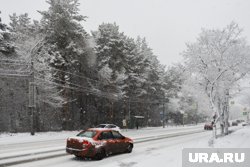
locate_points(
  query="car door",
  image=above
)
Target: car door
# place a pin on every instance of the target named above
(107, 138)
(120, 145)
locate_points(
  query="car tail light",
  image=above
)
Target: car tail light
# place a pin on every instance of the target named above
(85, 143)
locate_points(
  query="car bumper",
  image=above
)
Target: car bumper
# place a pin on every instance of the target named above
(89, 152)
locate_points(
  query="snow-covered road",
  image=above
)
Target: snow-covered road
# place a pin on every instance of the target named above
(17, 138)
(22, 149)
(160, 152)
(164, 152)
(24, 143)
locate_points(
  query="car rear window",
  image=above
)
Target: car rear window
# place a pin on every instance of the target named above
(89, 134)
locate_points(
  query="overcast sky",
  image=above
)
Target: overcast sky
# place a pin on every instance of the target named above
(166, 24)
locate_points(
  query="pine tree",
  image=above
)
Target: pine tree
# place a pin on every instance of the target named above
(110, 48)
(67, 44)
(6, 46)
(61, 24)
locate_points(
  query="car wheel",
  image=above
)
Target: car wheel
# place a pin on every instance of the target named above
(129, 148)
(100, 155)
(78, 157)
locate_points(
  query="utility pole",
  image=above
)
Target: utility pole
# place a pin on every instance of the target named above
(129, 109)
(163, 115)
(32, 102)
(163, 112)
(183, 120)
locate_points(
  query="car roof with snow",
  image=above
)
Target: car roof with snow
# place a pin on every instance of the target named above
(106, 124)
(100, 129)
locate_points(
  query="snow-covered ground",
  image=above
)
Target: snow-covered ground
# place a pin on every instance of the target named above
(13, 138)
(238, 139)
(164, 152)
(13, 145)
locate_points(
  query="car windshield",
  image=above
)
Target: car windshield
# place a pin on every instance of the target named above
(101, 126)
(89, 134)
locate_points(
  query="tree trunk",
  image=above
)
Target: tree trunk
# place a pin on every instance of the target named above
(222, 128)
(226, 112)
(215, 112)
(221, 115)
(226, 116)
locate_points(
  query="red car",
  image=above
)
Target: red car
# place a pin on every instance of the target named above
(208, 126)
(98, 143)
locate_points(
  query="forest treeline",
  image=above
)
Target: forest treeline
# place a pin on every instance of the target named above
(82, 79)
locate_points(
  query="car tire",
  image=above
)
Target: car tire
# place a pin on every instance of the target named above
(129, 148)
(78, 157)
(100, 155)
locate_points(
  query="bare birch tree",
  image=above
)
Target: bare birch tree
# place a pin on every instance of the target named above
(217, 61)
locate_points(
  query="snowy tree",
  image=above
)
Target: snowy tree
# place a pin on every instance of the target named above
(64, 33)
(216, 61)
(110, 48)
(174, 78)
(25, 35)
(29, 43)
(67, 44)
(130, 67)
(6, 46)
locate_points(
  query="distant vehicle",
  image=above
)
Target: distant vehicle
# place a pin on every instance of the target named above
(109, 126)
(240, 121)
(234, 123)
(208, 126)
(98, 143)
(244, 124)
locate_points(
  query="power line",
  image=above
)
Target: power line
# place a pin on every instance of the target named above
(17, 62)
(80, 76)
(143, 101)
(66, 82)
(80, 90)
(14, 63)
(101, 94)
(77, 87)
(25, 63)
(70, 83)
(13, 75)
(14, 60)
(18, 72)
